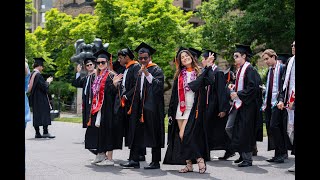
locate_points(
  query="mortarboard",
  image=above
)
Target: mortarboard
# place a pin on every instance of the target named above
(89, 57)
(206, 53)
(147, 47)
(195, 52)
(102, 53)
(39, 61)
(127, 51)
(283, 57)
(244, 49)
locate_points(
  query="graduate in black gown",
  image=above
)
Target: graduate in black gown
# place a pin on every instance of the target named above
(146, 124)
(102, 116)
(187, 139)
(242, 121)
(125, 92)
(217, 107)
(39, 100)
(273, 116)
(85, 81)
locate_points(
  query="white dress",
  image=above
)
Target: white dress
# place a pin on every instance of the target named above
(189, 98)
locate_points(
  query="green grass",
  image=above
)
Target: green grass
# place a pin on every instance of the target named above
(79, 120)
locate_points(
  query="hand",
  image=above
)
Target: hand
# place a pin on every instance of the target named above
(233, 95)
(143, 70)
(291, 105)
(280, 105)
(49, 79)
(231, 87)
(222, 114)
(210, 59)
(79, 68)
(116, 79)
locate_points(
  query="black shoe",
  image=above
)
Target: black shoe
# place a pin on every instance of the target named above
(255, 152)
(38, 136)
(153, 165)
(238, 160)
(244, 164)
(279, 159)
(142, 158)
(271, 159)
(227, 155)
(48, 135)
(130, 164)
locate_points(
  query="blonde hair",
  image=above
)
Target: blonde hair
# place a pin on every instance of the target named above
(270, 53)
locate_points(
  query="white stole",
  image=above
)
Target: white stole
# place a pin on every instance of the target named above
(275, 86)
(240, 84)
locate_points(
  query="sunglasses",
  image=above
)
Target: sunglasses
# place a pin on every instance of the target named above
(293, 45)
(89, 65)
(101, 62)
(145, 58)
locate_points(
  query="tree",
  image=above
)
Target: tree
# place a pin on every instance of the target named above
(259, 23)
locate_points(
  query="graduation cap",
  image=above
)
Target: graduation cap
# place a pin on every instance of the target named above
(145, 49)
(244, 49)
(195, 52)
(126, 51)
(88, 58)
(39, 61)
(102, 53)
(206, 53)
(283, 57)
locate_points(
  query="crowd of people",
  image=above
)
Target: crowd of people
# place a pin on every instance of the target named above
(124, 101)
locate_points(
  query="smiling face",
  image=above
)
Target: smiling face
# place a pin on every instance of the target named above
(239, 59)
(144, 58)
(186, 59)
(102, 63)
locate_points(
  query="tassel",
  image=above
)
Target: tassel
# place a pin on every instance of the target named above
(142, 119)
(196, 113)
(130, 110)
(123, 102)
(111, 65)
(89, 122)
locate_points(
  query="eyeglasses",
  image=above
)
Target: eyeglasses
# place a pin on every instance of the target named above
(293, 45)
(101, 62)
(235, 56)
(89, 65)
(145, 58)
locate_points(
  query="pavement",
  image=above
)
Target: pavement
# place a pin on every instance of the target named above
(64, 158)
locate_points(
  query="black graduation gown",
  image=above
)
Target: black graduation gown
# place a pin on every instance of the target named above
(150, 133)
(244, 131)
(217, 102)
(194, 144)
(39, 101)
(128, 91)
(81, 82)
(117, 67)
(108, 136)
(274, 114)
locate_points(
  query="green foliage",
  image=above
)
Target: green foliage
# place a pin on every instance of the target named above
(263, 74)
(156, 22)
(270, 23)
(63, 90)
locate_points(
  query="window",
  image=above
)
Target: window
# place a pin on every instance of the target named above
(187, 4)
(43, 6)
(43, 19)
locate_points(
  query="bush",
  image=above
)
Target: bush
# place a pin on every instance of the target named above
(63, 90)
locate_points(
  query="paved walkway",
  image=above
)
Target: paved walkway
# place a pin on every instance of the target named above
(64, 158)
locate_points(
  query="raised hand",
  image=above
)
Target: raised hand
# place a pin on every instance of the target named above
(116, 79)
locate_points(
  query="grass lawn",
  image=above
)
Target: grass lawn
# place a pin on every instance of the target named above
(79, 120)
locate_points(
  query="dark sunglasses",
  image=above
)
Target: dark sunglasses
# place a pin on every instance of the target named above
(293, 45)
(145, 58)
(235, 56)
(101, 62)
(89, 65)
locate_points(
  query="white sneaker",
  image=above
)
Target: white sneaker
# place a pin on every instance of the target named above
(100, 157)
(106, 162)
(292, 168)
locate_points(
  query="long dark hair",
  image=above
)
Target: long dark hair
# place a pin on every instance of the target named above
(179, 65)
